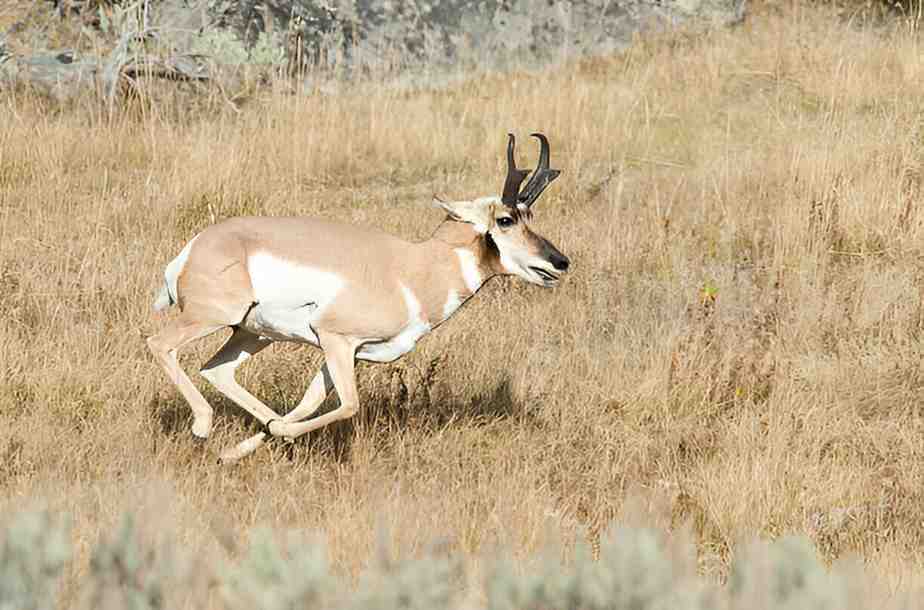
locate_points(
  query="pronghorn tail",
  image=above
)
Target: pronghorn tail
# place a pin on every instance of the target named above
(163, 300)
(168, 292)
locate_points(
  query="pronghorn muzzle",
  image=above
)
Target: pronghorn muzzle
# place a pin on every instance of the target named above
(556, 263)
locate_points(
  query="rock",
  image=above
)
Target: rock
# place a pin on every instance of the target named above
(437, 30)
(426, 37)
(485, 32)
(56, 75)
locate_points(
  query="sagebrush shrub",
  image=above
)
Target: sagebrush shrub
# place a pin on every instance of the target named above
(33, 554)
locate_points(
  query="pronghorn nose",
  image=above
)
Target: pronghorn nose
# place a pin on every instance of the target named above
(559, 261)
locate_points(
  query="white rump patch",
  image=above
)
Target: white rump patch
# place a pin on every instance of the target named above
(175, 268)
(392, 349)
(470, 272)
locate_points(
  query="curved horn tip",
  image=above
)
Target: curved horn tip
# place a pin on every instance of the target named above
(543, 141)
(511, 148)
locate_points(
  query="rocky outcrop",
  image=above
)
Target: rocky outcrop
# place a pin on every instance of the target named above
(483, 31)
(190, 39)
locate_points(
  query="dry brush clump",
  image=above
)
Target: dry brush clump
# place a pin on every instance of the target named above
(740, 336)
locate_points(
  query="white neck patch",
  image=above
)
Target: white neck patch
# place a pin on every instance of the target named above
(412, 304)
(471, 274)
(453, 302)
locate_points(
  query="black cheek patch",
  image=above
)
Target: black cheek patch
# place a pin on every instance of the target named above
(491, 244)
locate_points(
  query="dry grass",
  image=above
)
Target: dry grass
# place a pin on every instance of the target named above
(740, 338)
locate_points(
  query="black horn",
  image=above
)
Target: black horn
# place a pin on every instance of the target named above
(515, 176)
(541, 178)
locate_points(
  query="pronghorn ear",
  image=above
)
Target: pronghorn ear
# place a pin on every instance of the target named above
(479, 213)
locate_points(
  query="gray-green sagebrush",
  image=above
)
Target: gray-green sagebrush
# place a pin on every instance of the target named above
(638, 569)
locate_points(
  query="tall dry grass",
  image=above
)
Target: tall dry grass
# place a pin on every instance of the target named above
(740, 339)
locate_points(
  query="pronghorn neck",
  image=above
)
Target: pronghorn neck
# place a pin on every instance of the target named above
(455, 262)
(476, 251)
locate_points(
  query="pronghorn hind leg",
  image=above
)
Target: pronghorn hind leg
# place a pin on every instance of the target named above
(220, 369)
(314, 397)
(340, 354)
(164, 346)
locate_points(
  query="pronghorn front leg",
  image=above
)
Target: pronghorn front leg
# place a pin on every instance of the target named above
(340, 354)
(314, 397)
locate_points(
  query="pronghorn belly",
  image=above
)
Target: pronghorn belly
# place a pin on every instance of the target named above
(391, 349)
(388, 350)
(282, 323)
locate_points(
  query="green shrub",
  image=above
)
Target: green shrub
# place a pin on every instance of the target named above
(274, 577)
(637, 570)
(128, 575)
(786, 574)
(225, 47)
(33, 555)
(420, 584)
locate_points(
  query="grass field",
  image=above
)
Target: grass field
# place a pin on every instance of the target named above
(738, 344)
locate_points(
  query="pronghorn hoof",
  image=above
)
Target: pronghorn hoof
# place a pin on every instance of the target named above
(202, 427)
(242, 449)
(228, 457)
(268, 428)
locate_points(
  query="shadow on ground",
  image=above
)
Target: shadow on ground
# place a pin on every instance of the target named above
(379, 414)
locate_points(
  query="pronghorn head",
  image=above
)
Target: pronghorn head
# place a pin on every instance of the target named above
(504, 221)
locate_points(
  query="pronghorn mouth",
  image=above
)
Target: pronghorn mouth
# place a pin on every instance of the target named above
(544, 274)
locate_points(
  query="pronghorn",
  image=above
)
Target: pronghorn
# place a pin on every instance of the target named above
(356, 293)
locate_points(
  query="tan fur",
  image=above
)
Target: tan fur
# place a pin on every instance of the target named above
(371, 262)
(355, 292)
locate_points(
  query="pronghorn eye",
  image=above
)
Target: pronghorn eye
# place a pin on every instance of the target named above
(504, 222)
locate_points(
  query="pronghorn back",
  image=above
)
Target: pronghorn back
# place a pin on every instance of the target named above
(281, 262)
